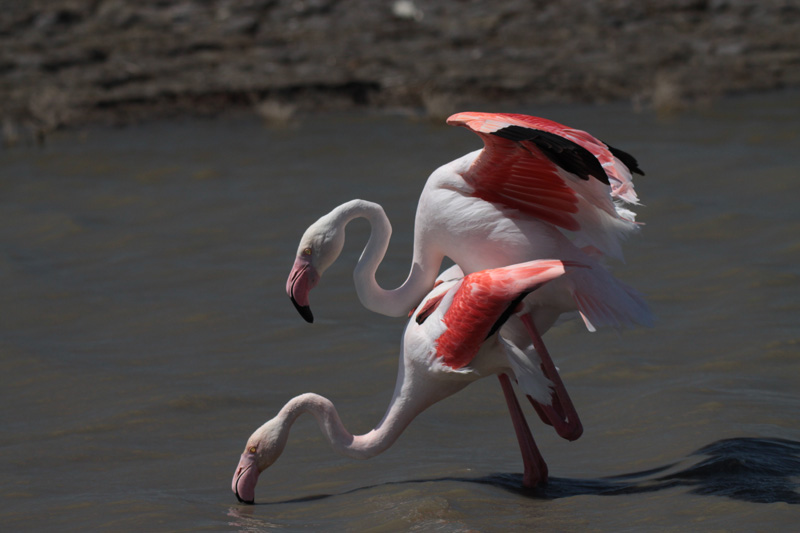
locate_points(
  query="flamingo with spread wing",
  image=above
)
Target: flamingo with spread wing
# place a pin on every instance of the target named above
(537, 190)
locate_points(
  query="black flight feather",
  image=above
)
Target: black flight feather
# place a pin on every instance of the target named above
(568, 155)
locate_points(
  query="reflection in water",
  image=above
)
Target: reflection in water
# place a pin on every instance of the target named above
(756, 470)
(243, 520)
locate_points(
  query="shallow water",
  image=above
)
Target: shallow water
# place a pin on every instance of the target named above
(145, 332)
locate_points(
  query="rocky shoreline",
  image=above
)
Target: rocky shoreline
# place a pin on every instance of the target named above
(70, 62)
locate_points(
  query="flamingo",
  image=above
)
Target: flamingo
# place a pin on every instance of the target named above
(452, 339)
(537, 190)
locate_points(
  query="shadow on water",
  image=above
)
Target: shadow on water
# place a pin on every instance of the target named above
(756, 470)
(748, 469)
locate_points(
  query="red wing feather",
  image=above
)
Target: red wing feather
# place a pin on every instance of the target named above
(480, 301)
(429, 307)
(518, 176)
(560, 175)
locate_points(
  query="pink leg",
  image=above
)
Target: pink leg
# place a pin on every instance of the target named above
(540, 411)
(561, 414)
(535, 467)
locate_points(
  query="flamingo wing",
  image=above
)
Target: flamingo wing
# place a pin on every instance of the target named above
(482, 302)
(560, 175)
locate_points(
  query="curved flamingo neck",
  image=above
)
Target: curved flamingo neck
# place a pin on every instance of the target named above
(397, 418)
(424, 267)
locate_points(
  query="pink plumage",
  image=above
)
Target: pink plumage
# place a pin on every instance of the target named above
(537, 165)
(458, 317)
(480, 299)
(537, 190)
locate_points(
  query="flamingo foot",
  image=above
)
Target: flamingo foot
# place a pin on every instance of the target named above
(561, 413)
(535, 473)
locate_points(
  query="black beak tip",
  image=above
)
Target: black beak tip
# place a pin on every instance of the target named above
(305, 311)
(248, 502)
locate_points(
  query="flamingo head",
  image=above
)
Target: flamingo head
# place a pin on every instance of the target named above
(263, 448)
(319, 248)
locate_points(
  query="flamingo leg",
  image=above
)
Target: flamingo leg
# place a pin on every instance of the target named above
(535, 468)
(561, 413)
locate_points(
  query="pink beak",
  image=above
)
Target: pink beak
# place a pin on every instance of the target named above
(302, 279)
(245, 479)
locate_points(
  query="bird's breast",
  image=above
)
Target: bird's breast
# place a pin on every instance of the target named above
(477, 234)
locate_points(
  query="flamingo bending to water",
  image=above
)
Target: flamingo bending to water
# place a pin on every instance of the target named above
(537, 190)
(449, 342)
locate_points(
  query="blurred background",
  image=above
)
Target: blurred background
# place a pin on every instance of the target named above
(68, 62)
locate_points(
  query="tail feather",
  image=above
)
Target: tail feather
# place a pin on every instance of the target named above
(614, 305)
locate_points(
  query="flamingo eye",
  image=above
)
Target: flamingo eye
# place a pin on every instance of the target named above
(252, 449)
(307, 251)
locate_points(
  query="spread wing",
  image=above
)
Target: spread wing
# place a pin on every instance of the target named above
(482, 302)
(560, 175)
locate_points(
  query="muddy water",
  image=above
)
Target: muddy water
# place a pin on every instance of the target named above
(145, 332)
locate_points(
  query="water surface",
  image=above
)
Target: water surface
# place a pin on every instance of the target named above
(145, 332)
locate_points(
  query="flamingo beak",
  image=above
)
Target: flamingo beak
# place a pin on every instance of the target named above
(302, 279)
(245, 479)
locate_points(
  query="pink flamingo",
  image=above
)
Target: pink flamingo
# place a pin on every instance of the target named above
(536, 190)
(449, 342)
(534, 182)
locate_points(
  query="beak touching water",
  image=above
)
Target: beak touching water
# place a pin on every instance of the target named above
(245, 479)
(302, 279)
